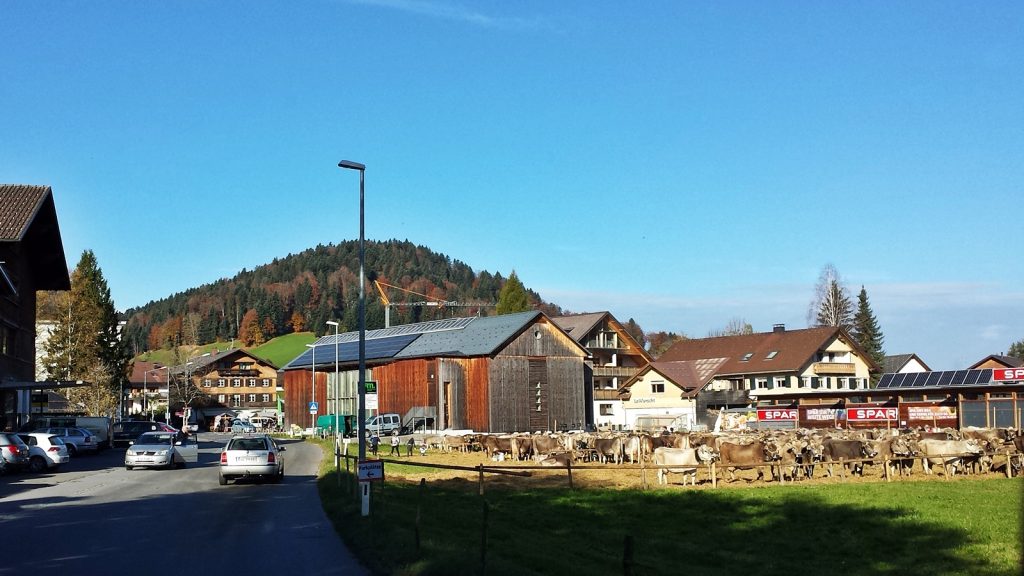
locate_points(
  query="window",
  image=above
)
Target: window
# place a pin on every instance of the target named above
(761, 383)
(221, 398)
(245, 365)
(236, 382)
(252, 398)
(658, 387)
(6, 340)
(207, 383)
(805, 382)
(266, 382)
(220, 382)
(606, 410)
(236, 400)
(266, 398)
(771, 355)
(747, 357)
(252, 382)
(780, 382)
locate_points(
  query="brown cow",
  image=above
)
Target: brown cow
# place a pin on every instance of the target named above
(608, 449)
(745, 456)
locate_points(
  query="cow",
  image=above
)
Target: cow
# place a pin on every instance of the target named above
(608, 449)
(494, 444)
(834, 450)
(460, 443)
(559, 459)
(745, 456)
(544, 444)
(522, 447)
(637, 447)
(948, 453)
(683, 461)
(902, 448)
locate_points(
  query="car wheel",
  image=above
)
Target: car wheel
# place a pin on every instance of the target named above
(72, 450)
(223, 481)
(127, 467)
(37, 465)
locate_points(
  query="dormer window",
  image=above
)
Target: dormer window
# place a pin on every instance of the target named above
(747, 357)
(771, 355)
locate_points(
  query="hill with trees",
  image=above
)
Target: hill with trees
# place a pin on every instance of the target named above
(301, 292)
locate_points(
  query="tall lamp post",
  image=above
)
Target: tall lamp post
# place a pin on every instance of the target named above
(361, 416)
(337, 383)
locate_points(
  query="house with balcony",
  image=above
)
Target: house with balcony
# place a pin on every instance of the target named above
(663, 395)
(776, 363)
(615, 358)
(234, 379)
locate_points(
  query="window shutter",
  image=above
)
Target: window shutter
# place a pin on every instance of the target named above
(814, 381)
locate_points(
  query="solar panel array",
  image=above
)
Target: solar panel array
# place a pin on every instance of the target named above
(943, 379)
(402, 330)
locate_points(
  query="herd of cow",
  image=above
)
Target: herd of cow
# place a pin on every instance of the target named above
(786, 454)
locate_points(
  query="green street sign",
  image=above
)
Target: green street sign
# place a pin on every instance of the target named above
(371, 386)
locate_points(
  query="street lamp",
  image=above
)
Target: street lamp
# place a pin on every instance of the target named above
(361, 416)
(312, 416)
(337, 383)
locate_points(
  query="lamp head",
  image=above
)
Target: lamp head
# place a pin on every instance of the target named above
(352, 165)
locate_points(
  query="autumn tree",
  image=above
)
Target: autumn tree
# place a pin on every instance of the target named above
(297, 321)
(659, 342)
(513, 297)
(636, 332)
(831, 305)
(250, 332)
(85, 343)
(735, 327)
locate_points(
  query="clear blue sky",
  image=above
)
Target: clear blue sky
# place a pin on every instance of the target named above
(679, 163)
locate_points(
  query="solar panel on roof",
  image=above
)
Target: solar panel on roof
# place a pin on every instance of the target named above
(958, 378)
(933, 379)
(946, 378)
(972, 377)
(897, 380)
(884, 381)
(918, 380)
(985, 377)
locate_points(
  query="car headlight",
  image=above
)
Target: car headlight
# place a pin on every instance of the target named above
(162, 453)
(130, 453)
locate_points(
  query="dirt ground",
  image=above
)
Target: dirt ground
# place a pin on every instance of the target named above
(625, 476)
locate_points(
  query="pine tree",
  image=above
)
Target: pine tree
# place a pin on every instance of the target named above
(1017, 350)
(86, 345)
(636, 332)
(866, 330)
(513, 297)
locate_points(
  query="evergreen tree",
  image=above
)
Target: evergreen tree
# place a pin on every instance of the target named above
(1017, 350)
(86, 344)
(831, 305)
(636, 332)
(513, 297)
(866, 330)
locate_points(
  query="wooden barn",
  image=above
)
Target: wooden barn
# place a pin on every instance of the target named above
(508, 373)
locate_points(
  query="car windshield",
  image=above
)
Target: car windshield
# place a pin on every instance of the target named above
(248, 444)
(155, 439)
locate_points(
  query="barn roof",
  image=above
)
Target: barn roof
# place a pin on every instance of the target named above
(463, 337)
(28, 216)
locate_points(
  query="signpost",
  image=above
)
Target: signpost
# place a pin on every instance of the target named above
(371, 471)
(314, 408)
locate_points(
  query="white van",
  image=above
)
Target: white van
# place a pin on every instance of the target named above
(384, 423)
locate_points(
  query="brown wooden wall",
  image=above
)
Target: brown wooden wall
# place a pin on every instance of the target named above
(298, 386)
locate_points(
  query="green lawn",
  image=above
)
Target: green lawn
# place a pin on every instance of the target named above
(966, 526)
(280, 350)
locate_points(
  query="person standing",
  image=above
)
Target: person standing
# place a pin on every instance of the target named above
(394, 444)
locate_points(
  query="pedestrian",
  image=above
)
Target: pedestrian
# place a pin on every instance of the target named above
(374, 442)
(409, 445)
(394, 444)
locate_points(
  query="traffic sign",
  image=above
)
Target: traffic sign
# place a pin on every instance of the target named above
(314, 407)
(371, 471)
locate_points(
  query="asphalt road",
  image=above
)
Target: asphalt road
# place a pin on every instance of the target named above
(95, 517)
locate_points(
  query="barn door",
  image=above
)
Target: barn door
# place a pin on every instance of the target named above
(538, 395)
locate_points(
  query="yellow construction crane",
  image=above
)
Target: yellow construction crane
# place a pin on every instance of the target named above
(433, 301)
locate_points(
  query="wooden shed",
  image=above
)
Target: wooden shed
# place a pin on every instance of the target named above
(514, 372)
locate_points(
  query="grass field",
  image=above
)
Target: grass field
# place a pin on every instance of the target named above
(964, 526)
(280, 350)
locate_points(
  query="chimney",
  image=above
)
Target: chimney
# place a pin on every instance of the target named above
(779, 328)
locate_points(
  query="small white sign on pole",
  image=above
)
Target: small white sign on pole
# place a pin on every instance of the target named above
(371, 471)
(371, 402)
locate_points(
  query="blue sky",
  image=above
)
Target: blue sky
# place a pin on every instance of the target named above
(679, 163)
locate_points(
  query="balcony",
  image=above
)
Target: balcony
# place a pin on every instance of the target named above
(723, 397)
(234, 372)
(606, 394)
(615, 371)
(835, 368)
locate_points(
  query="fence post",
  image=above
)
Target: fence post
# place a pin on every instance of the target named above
(480, 481)
(714, 477)
(643, 475)
(483, 538)
(885, 469)
(842, 469)
(1009, 473)
(627, 556)
(568, 468)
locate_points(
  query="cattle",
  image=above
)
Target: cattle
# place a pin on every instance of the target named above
(544, 444)
(949, 453)
(902, 449)
(745, 456)
(493, 444)
(522, 447)
(834, 450)
(460, 443)
(608, 449)
(560, 459)
(811, 455)
(637, 446)
(683, 461)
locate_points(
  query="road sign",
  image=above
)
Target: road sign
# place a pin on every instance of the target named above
(314, 407)
(371, 471)
(371, 402)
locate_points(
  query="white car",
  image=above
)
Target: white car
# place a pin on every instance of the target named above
(253, 456)
(162, 450)
(45, 451)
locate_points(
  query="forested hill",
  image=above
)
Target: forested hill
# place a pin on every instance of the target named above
(301, 292)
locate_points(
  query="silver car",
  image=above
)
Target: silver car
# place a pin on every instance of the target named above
(161, 450)
(251, 456)
(46, 451)
(78, 440)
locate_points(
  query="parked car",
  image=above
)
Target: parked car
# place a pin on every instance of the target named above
(46, 451)
(128, 430)
(14, 452)
(162, 450)
(78, 440)
(251, 457)
(384, 423)
(242, 426)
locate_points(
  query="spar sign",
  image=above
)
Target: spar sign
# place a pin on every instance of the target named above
(1008, 374)
(772, 415)
(872, 414)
